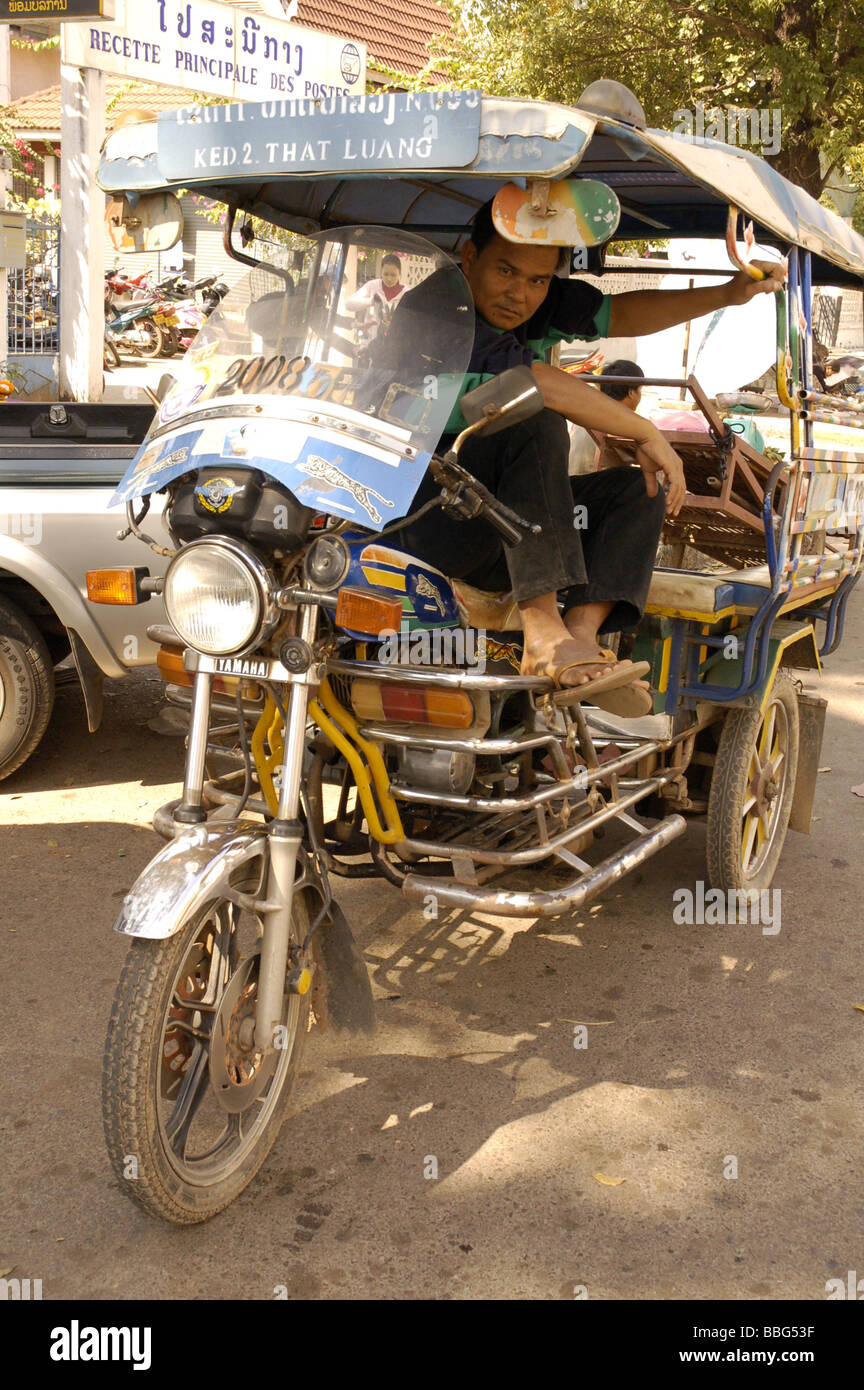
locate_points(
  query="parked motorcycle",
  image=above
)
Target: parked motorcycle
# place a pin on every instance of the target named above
(141, 328)
(281, 460)
(191, 314)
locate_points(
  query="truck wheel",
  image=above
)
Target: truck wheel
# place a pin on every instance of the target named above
(26, 687)
(751, 791)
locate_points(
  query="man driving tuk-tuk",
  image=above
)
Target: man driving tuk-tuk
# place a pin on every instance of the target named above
(524, 306)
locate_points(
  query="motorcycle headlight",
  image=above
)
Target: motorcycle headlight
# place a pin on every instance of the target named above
(218, 597)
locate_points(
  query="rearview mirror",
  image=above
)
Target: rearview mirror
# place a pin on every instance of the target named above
(566, 212)
(506, 400)
(150, 222)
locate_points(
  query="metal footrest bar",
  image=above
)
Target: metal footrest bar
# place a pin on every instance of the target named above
(570, 898)
(510, 858)
(579, 782)
(488, 747)
(449, 678)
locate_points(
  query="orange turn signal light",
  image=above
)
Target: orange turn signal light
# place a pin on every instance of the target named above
(116, 586)
(170, 663)
(361, 610)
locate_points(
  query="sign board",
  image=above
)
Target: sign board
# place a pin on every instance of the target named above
(219, 50)
(389, 130)
(40, 11)
(13, 240)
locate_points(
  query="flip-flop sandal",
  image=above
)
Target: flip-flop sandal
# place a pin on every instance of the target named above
(628, 702)
(604, 687)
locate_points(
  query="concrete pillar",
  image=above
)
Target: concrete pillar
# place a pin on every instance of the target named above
(5, 99)
(82, 232)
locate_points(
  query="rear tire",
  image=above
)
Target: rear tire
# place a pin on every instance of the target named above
(750, 802)
(152, 341)
(26, 687)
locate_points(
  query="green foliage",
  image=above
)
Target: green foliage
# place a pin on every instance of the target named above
(37, 45)
(805, 57)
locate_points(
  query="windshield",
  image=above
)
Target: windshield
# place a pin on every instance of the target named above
(337, 378)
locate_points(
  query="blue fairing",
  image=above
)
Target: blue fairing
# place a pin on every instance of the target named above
(426, 594)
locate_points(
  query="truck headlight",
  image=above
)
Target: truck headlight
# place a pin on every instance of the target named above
(219, 597)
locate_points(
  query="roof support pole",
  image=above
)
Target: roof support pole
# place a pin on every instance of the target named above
(82, 216)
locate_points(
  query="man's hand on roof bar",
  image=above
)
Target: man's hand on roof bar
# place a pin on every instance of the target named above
(742, 287)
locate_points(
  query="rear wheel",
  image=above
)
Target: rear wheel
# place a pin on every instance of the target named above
(190, 1107)
(26, 687)
(751, 791)
(149, 338)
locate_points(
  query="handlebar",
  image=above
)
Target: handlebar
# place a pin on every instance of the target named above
(465, 496)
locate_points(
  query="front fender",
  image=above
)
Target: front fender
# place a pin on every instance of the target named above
(180, 878)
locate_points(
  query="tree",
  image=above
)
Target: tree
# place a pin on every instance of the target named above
(805, 57)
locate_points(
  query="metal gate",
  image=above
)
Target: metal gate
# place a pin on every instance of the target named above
(34, 292)
(826, 317)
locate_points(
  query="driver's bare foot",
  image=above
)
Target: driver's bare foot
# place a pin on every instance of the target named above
(545, 658)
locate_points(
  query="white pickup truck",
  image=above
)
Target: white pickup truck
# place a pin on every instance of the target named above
(59, 465)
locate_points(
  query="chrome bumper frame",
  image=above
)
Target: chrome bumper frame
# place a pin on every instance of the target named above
(569, 898)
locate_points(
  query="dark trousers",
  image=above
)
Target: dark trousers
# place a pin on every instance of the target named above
(599, 532)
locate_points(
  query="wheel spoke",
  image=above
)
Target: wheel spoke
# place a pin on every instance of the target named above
(192, 1092)
(227, 1134)
(750, 828)
(767, 733)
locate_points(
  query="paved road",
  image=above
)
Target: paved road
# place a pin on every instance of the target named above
(708, 1045)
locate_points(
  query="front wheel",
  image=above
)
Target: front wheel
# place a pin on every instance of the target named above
(190, 1107)
(751, 791)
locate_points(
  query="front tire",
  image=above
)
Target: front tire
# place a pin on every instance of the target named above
(751, 791)
(26, 687)
(189, 1114)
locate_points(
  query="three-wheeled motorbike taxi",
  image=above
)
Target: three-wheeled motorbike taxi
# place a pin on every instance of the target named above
(284, 447)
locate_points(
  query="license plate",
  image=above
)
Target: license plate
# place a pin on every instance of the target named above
(169, 319)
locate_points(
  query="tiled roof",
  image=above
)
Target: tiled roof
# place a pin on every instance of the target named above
(396, 32)
(41, 110)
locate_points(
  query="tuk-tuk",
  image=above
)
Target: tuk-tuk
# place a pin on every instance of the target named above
(503, 809)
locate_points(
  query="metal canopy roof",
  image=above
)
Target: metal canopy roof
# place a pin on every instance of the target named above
(668, 184)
